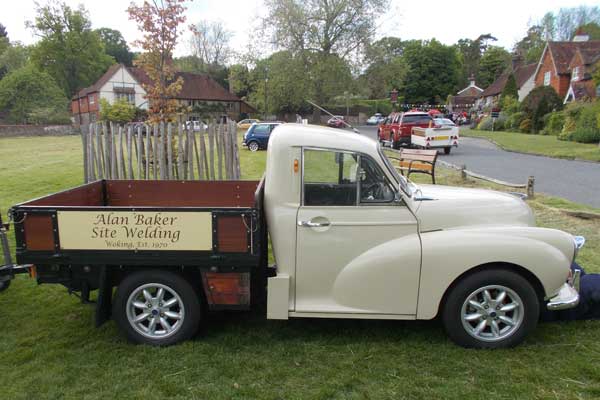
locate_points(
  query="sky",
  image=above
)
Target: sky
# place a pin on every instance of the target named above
(447, 21)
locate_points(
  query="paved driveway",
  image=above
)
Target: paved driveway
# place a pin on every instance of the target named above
(578, 181)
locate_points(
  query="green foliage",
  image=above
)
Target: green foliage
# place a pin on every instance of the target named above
(239, 80)
(554, 123)
(121, 111)
(510, 104)
(470, 52)
(387, 68)
(68, 50)
(115, 45)
(591, 28)
(30, 96)
(586, 127)
(539, 102)
(525, 125)
(493, 63)
(513, 122)
(532, 45)
(13, 57)
(433, 71)
(487, 124)
(510, 89)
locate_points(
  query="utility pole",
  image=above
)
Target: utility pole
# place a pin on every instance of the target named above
(266, 98)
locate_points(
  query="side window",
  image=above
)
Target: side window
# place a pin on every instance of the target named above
(329, 178)
(261, 129)
(374, 185)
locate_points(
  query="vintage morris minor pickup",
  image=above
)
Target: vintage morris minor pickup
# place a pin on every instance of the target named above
(351, 239)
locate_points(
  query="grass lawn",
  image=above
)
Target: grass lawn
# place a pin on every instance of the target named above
(50, 349)
(539, 144)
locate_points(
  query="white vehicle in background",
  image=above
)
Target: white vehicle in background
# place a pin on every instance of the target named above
(196, 125)
(441, 136)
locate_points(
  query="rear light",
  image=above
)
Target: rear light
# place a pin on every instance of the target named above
(428, 139)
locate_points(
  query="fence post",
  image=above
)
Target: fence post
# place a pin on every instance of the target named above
(530, 184)
(84, 143)
(463, 172)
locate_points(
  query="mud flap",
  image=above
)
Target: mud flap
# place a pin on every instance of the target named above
(104, 301)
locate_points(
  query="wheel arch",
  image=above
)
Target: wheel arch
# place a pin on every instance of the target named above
(523, 272)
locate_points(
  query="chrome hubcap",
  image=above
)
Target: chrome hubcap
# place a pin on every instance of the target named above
(253, 146)
(155, 310)
(492, 313)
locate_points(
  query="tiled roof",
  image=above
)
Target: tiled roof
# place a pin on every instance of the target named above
(99, 83)
(522, 74)
(195, 86)
(563, 52)
(584, 89)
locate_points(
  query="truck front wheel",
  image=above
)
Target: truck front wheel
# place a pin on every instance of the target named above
(4, 285)
(156, 307)
(491, 309)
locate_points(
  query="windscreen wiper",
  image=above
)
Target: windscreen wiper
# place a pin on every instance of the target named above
(327, 112)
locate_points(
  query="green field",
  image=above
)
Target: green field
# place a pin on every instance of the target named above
(539, 144)
(50, 349)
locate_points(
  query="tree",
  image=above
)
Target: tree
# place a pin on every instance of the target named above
(115, 45)
(315, 30)
(4, 41)
(30, 96)
(121, 111)
(14, 57)
(493, 63)
(386, 69)
(160, 21)
(510, 89)
(532, 45)
(433, 71)
(563, 25)
(539, 102)
(239, 80)
(471, 52)
(210, 43)
(68, 49)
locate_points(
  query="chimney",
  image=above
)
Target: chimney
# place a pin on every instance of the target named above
(472, 80)
(581, 36)
(517, 61)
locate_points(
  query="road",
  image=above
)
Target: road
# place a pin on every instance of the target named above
(578, 181)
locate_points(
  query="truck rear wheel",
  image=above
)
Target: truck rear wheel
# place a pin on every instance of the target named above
(447, 150)
(156, 307)
(4, 285)
(491, 309)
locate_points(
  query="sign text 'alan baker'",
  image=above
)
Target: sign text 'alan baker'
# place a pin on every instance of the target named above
(129, 230)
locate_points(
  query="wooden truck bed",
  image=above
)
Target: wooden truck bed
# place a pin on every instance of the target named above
(214, 229)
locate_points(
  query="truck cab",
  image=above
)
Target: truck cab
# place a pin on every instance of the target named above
(397, 131)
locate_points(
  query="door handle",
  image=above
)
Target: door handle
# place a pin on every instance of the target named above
(312, 224)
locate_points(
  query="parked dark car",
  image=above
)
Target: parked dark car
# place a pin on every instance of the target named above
(257, 136)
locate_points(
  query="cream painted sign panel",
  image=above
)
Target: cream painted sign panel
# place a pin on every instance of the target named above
(132, 230)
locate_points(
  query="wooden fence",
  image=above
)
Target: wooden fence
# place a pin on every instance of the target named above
(166, 151)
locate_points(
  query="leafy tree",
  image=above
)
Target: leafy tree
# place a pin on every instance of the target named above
(433, 71)
(115, 45)
(532, 45)
(510, 89)
(239, 80)
(315, 30)
(563, 25)
(387, 68)
(30, 96)
(68, 50)
(121, 111)
(4, 41)
(539, 102)
(160, 24)
(493, 63)
(14, 57)
(471, 52)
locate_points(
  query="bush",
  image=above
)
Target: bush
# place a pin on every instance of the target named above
(583, 135)
(510, 105)
(553, 123)
(539, 102)
(513, 122)
(121, 111)
(525, 125)
(486, 123)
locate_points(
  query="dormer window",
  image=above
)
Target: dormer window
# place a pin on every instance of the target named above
(547, 78)
(576, 74)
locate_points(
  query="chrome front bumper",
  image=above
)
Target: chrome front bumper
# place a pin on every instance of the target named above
(568, 295)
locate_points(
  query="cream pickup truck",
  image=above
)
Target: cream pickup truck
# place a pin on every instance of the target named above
(351, 239)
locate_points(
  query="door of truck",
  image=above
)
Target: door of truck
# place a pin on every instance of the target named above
(358, 250)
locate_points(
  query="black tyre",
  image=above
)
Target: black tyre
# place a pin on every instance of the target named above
(157, 307)
(491, 309)
(253, 146)
(447, 150)
(4, 285)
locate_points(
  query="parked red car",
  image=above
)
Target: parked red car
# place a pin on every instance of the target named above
(397, 127)
(336, 121)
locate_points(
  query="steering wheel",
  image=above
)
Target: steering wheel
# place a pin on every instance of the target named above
(374, 191)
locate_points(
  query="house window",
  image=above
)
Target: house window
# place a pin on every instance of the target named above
(91, 99)
(575, 74)
(547, 78)
(129, 97)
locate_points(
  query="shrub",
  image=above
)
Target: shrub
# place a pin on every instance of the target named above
(514, 121)
(553, 123)
(539, 102)
(583, 135)
(510, 105)
(525, 125)
(486, 123)
(120, 111)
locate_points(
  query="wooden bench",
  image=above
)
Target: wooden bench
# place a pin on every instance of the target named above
(417, 161)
